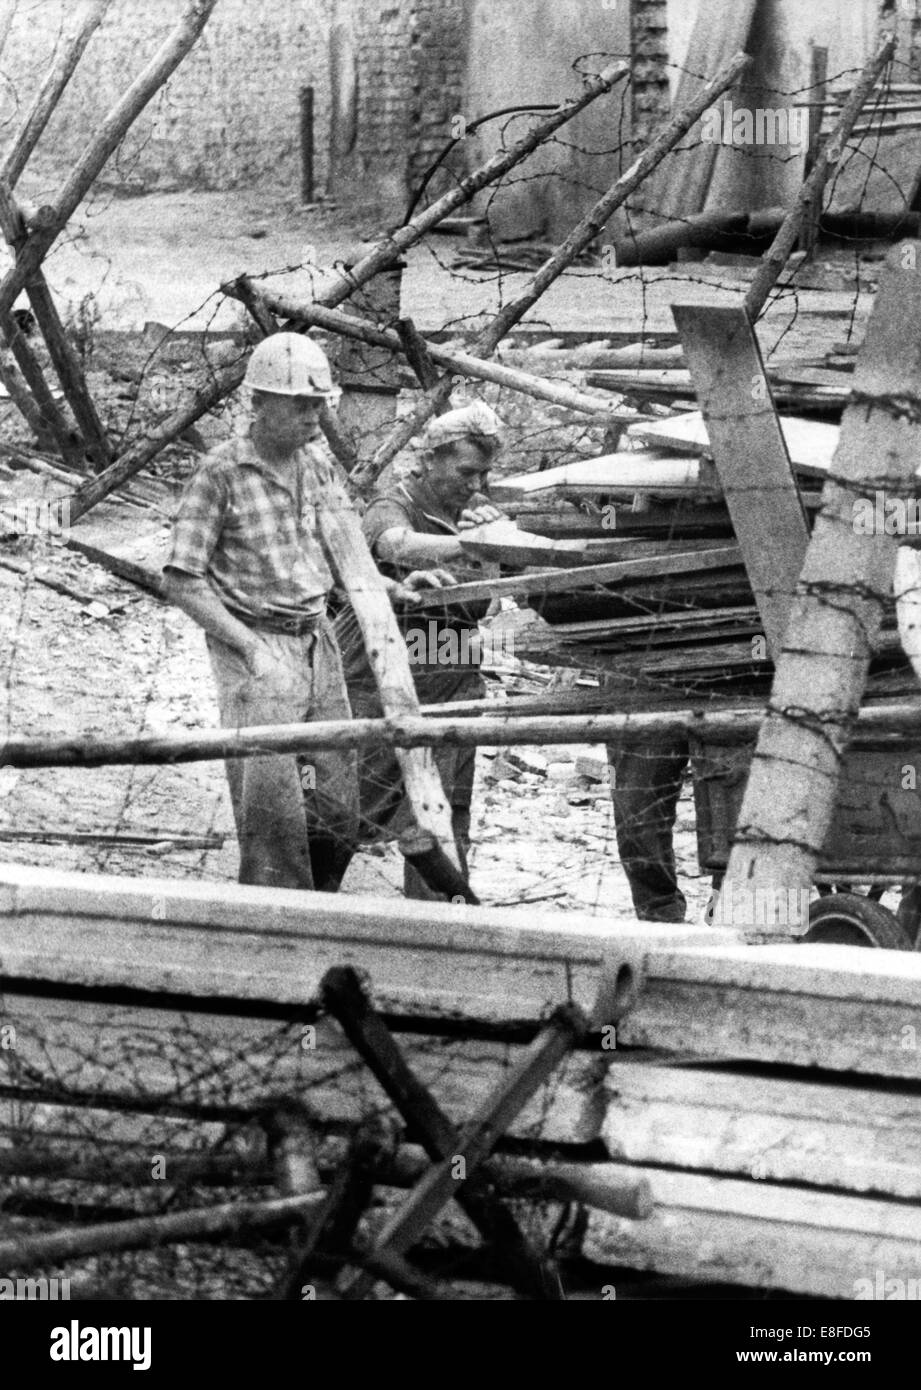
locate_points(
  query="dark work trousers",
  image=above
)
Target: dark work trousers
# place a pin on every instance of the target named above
(647, 781)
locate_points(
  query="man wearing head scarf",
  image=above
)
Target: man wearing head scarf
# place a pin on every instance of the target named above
(414, 525)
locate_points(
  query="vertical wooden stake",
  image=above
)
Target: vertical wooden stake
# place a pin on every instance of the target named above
(818, 72)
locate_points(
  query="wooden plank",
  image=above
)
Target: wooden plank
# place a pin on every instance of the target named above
(612, 473)
(718, 31)
(810, 444)
(750, 456)
(763, 1236)
(502, 541)
(344, 542)
(588, 576)
(782, 1129)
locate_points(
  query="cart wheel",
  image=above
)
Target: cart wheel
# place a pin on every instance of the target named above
(845, 919)
(909, 913)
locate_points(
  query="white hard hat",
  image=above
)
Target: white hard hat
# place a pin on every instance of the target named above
(288, 364)
(474, 421)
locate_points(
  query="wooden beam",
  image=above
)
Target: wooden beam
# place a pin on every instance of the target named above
(148, 1232)
(834, 629)
(342, 537)
(585, 576)
(750, 455)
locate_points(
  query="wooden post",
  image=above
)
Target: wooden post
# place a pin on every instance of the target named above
(751, 457)
(810, 194)
(307, 138)
(845, 583)
(85, 23)
(385, 253)
(818, 73)
(584, 232)
(340, 530)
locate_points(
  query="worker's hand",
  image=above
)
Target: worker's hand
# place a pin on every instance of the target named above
(262, 663)
(478, 516)
(411, 589)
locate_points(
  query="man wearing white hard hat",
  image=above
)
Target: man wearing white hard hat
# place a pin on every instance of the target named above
(247, 564)
(411, 525)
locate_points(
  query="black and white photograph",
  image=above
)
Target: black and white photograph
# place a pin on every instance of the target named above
(460, 674)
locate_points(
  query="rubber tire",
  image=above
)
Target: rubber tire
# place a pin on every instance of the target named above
(846, 919)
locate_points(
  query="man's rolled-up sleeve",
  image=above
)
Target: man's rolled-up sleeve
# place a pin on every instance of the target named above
(384, 514)
(197, 525)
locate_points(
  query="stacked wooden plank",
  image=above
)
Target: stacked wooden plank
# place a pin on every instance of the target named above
(694, 628)
(769, 1097)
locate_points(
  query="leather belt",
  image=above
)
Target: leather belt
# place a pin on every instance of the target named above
(286, 627)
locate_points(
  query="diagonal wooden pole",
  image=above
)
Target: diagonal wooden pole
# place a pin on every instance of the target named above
(477, 368)
(55, 216)
(845, 584)
(582, 234)
(390, 249)
(345, 998)
(86, 21)
(340, 530)
(66, 362)
(810, 194)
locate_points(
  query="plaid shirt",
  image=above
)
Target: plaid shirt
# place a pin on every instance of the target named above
(252, 531)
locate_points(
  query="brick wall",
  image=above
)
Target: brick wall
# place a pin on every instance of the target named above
(411, 62)
(229, 116)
